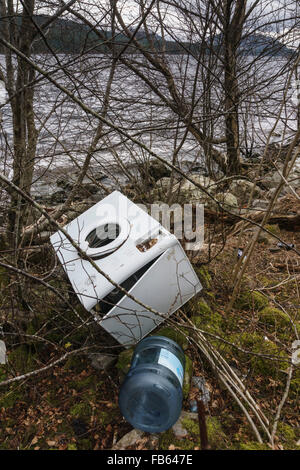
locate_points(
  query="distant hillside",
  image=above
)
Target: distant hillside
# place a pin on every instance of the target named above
(69, 37)
(258, 44)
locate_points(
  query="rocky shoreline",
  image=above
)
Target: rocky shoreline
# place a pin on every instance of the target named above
(52, 188)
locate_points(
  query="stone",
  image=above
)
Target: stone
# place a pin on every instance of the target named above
(101, 361)
(156, 170)
(191, 193)
(229, 202)
(179, 431)
(130, 439)
(260, 204)
(58, 197)
(242, 189)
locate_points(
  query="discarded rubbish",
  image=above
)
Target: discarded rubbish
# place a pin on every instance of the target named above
(135, 251)
(286, 246)
(200, 383)
(193, 406)
(150, 398)
(240, 253)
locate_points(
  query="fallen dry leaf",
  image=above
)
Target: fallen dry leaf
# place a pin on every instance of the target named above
(51, 443)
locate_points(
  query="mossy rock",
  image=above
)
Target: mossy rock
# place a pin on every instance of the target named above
(274, 316)
(253, 299)
(252, 445)
(179, 335)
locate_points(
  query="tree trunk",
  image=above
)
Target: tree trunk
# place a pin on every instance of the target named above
(24, 131)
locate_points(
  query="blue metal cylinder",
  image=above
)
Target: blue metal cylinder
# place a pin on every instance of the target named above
(150, 397)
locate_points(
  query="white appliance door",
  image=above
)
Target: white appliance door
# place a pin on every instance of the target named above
(166, 286)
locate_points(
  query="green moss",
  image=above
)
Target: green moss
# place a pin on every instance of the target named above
(215, 434)
(179, 335)
(211, 322)
(188, 372)
(204, 276)
(72, 447)
(124, 360)
(286, 432)
(106, 417)
(274, 316)
(254, 343)
(81, 410)
(253, 446)
(203, 308)
(252, 300)
(168, 438)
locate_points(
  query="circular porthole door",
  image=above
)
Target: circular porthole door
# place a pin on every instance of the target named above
(103, 235)
(102, 239)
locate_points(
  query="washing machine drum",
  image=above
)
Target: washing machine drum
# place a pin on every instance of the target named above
(100, 239)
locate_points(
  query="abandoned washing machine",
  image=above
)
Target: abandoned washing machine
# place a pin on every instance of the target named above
(136, 252)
